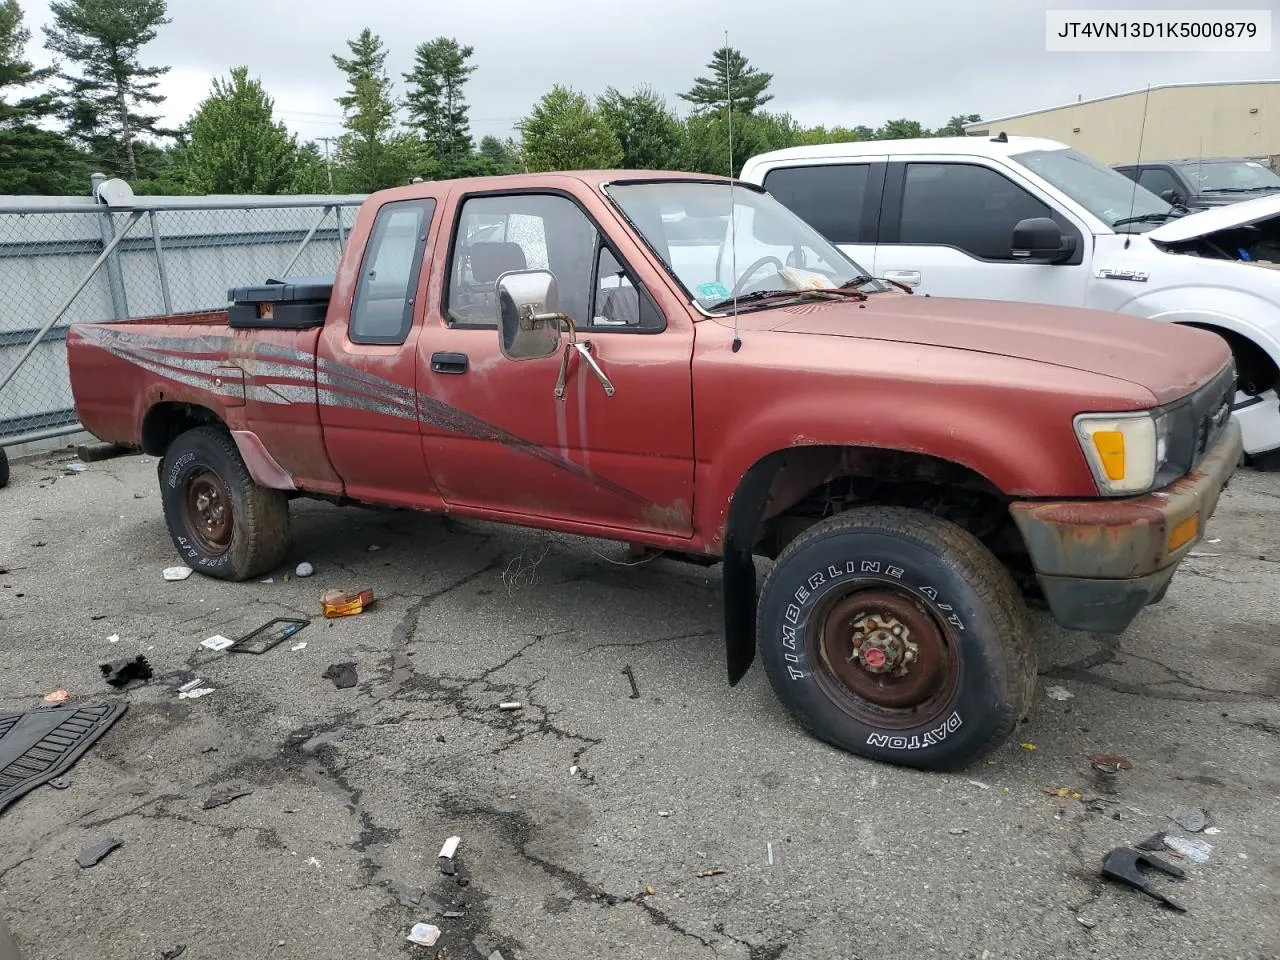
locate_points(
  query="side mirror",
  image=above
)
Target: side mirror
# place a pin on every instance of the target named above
(1040, 240)
(528, 314)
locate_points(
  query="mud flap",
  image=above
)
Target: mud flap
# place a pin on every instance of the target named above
(38, 745)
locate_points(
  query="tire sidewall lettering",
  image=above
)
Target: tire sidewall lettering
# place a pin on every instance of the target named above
(175, 476)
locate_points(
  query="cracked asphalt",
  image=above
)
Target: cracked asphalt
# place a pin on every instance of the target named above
(586, 817)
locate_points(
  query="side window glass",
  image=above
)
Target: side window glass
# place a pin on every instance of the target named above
(498, 234)
(831, 198)
(963, 205)
(1158, 180)
(382, 311)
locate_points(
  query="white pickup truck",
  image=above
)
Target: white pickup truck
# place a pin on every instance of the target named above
(1020, 218)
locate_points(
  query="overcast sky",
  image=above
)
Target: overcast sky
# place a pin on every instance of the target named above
(845, 62)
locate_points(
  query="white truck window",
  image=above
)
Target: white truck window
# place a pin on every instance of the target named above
(830, 197)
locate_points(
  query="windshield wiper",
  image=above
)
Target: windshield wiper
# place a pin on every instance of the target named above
(1148, 218)
(761, 295)
(1240, 189)
(863, 279)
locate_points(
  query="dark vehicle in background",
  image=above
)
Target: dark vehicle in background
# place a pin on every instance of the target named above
(1202, 183)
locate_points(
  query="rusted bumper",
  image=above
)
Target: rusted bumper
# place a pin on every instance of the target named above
(1099, 562)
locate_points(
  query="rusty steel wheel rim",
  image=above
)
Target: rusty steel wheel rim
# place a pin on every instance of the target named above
(886, 659)
(207, 512)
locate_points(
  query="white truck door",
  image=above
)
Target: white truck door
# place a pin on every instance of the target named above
(946, 228)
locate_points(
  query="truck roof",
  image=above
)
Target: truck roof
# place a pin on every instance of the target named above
(961, 146)
(592, 178)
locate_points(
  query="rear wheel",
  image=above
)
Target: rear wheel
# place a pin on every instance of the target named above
(223, 524)
(897, 635)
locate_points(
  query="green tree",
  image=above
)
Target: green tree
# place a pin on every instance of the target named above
(311, 174)
(813, 136)
(955, 126)
(648, 131)
(236, 146)
(32, 160)
(105, 97)
(902, 129)
(564, 132)
(502, 156)
(372, 155)
(437, 107)
(706, 139)
(746, 84)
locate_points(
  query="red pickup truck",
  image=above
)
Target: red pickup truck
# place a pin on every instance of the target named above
(680, 363)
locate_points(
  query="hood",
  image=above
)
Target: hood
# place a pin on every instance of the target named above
(1228, 217)
(1168, 359)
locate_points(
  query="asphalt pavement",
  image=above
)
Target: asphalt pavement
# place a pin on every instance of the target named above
(586, 817)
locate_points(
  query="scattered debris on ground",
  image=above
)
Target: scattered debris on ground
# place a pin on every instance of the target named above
(630, 675)
(715, 872)
(1086, 922)
(343, 675)
(114, 638)
(37, 746)
(177, 573)
(224, 796)
(1028, 746)
(339, 603)
(268, 636)
(304, 569)
(59, 783)
(1059, 693)
(175, 953)
(448, 851)
(1152, 844)
(1123, 866)
(1191, 819)
(511, 705)
(217, 642)
(120, 673)
(298, 646)
(57, 696)
(425, 934)
(452, 914)
(92, 856)
(195, 694)
(980, 785)
(1193, 849)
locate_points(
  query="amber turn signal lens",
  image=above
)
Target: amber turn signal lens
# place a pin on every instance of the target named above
(1184, 532)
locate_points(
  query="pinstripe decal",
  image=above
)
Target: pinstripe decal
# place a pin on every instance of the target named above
(284, 375)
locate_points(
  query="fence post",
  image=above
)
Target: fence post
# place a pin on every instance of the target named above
(107, 230)
(164, 276)
(342, 235)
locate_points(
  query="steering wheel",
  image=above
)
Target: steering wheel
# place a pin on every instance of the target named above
(737, 287)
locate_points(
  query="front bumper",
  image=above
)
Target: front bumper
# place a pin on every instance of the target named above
(1099, 562)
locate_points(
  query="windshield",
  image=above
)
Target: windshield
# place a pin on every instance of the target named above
(1230, 176)
(1108, 195)
(686, 223)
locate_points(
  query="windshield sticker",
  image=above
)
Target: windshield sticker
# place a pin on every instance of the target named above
(715, 290)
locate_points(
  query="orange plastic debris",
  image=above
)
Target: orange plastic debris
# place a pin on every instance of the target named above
(58, 696)
(339, 603)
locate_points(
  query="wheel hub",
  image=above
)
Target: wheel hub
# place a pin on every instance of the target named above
(882, 644)
(208, 512)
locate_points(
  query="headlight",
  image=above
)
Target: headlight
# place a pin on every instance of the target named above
(1126, 451)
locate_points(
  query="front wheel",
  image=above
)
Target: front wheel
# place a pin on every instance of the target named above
(223, 524)
(897, 635)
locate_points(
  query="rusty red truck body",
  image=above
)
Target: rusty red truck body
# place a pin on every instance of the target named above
(618, 355)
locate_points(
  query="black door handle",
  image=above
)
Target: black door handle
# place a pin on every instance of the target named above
(448, 363)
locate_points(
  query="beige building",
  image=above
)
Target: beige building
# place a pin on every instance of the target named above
(1235, 119)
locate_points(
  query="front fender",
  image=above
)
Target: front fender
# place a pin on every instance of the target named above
(1251, 315)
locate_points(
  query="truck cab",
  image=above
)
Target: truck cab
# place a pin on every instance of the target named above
(1037, 221)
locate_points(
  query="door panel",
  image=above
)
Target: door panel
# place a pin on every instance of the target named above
(368, 364)
(947, 229)
(495, 435)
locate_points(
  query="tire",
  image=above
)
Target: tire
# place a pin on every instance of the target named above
(934, 587)
(223, 524)
(4, 468)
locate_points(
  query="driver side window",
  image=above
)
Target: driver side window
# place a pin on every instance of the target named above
(618, 301)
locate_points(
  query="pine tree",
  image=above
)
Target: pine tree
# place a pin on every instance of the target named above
(746, 84)
(236, 146)
(32, 160)
(437, 107)
(648, 131)
(371, 155)
(104, 100)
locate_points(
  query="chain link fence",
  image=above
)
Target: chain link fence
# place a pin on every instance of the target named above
(66, 260)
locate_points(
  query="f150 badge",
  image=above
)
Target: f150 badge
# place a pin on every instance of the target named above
(1107, 273)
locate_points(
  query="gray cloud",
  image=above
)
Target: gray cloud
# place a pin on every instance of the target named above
(842, 62)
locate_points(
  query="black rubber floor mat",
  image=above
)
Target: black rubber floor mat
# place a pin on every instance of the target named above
(38, 745)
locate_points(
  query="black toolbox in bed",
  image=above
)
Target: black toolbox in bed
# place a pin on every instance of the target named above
(293, 303)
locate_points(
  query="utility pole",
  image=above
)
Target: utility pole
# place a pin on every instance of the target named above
(327, 165)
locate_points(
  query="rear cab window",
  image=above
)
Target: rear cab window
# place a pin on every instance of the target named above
(382, 311)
